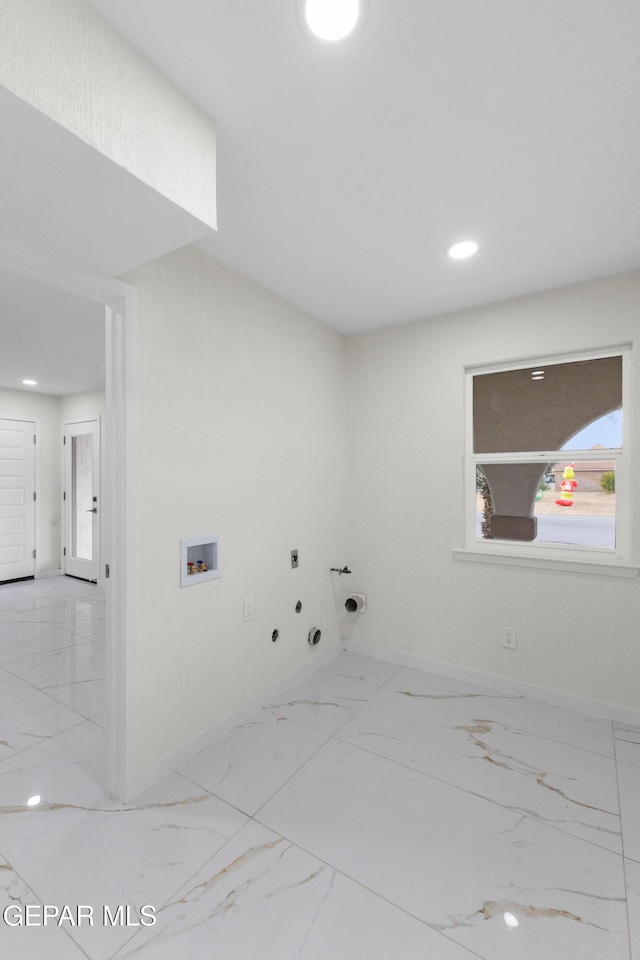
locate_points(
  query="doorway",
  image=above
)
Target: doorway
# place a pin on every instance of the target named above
(81, 500)
(118, 565)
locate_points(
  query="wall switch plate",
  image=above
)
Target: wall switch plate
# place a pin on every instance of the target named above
(509, 638)
(248, 608)
(294, 559)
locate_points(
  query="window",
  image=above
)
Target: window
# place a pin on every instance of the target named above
(547, 463)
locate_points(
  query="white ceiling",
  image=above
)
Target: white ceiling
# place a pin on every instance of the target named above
(51, 336)
(346, 170)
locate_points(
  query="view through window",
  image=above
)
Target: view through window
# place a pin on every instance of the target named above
(547, 453)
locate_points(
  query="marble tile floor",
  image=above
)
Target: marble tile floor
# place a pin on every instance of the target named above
(373, 811)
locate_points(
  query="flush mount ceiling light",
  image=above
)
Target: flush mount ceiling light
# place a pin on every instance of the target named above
(331, 19)
(462, 249)
(30, 383)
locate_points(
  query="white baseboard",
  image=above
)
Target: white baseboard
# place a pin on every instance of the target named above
(174, 759)
(48, 573)
(596, 708)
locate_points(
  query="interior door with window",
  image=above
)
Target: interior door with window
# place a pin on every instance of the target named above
(81, 498)
(17, 507)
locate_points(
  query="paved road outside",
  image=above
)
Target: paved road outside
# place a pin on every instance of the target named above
(572, 528)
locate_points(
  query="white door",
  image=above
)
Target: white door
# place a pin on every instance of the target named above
(17, 495)
(81, 554)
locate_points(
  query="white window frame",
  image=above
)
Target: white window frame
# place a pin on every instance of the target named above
(595, 560)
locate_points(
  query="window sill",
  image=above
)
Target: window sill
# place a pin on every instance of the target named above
(605, 568)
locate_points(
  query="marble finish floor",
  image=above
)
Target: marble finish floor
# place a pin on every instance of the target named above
(373, 811)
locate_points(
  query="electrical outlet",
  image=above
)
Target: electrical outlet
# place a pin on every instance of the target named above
(247, 609)
(509, 638)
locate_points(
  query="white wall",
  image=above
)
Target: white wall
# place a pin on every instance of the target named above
(82, 406)
(577, 633)
(64, 59)
(21, 405)
(241, 407)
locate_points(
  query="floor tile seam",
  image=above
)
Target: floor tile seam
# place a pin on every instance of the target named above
(626, 899)
(44, 739)
(626, 727)
(10, 676)
(349, 676)
(629, 763)
(634, 743)
(363, 886)
(45, 678)
(204, 862)
(472, 793)
(42, 902)
(64, 624)
(24, 618)
(79, 946)
(32, 685)
(66, 645)
(622, 832)
(37, 897)
(84, 716)
(212, 794)
(270, 709)
(356, 711)
(94, 721)
(278, 788)
(521, 730)
(66, 612)
(71, 683)
(341, 676)
(54, 700)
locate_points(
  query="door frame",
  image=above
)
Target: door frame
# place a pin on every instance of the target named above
(67, 494)
(120, 547)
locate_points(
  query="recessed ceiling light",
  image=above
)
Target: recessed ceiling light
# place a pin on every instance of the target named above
(331, 19)
(33, 801)
(462, 249)
(30, 383)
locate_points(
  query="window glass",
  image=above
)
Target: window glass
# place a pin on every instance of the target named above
(543, 407)
(530, 486)
(604, 432)
(583, 516)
